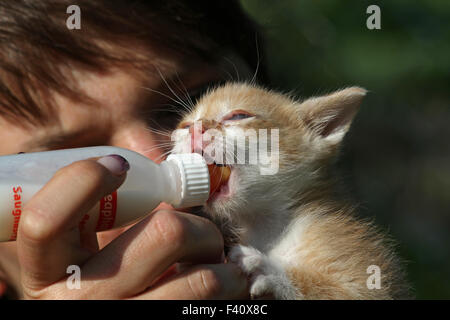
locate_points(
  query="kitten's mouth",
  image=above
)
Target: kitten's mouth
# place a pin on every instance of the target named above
(220, 181)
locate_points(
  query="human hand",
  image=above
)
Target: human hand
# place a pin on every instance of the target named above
(127, 267)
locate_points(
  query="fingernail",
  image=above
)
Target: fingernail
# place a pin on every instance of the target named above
(115, 163)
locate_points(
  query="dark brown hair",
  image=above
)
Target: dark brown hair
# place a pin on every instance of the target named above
(37, 50)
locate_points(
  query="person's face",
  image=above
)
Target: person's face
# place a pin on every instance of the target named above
(129, 111)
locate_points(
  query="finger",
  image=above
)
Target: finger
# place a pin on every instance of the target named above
(216, 281)
(105, 237)
(48, 236)
(131, 262)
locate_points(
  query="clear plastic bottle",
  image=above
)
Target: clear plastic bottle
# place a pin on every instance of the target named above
(182, 181)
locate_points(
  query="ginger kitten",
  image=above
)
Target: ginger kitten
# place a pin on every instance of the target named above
(288, 231)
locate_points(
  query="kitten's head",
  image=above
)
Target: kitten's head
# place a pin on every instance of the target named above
(302, 138)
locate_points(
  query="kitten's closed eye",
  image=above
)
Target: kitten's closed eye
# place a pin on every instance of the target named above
(237, 115)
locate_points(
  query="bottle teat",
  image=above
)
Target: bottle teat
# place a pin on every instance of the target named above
(194, 175)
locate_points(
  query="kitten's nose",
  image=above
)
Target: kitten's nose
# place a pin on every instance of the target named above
(196, 131)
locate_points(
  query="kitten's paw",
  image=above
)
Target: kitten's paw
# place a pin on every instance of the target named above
(263, 287)
(248, 259)
(272, 286)
(267, 279)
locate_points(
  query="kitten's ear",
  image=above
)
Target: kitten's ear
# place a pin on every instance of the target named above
(330, 116)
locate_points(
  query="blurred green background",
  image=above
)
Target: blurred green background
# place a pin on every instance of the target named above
(396, 158)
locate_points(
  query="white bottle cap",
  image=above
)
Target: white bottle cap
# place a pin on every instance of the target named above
(194, 179)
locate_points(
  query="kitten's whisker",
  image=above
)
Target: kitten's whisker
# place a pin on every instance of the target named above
(166, 96)
(159, 145)
(154, 130)
(234, 67)
(171, 90)
(172, 109)
(230, 155)
(257, 62)
(162, 155)
(230, 76)
(159, 132)
(162, 141)
(186, 92)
